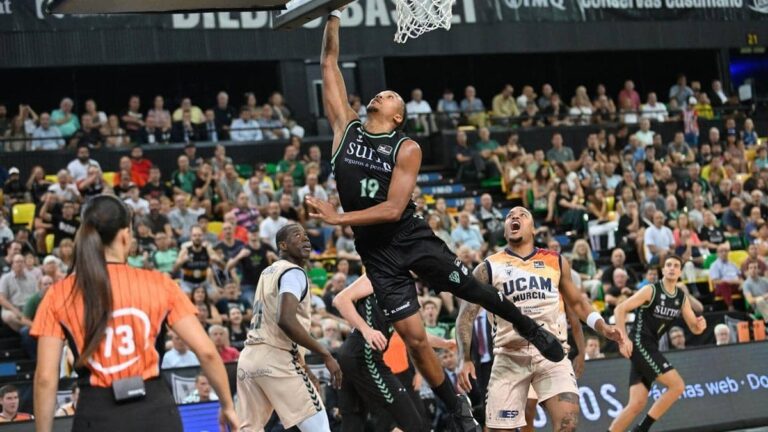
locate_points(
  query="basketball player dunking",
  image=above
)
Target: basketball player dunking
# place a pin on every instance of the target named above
(535, 280)
(376, 168)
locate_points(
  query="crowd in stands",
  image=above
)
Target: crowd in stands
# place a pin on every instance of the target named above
(70, 127)
(614, 211)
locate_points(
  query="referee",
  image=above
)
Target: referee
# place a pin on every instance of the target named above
(111, 315)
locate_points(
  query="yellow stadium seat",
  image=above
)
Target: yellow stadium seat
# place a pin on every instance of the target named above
(23, 214)
(611, 202)
(737, 257)
(52, 178)
(49, 243)
(214, 227)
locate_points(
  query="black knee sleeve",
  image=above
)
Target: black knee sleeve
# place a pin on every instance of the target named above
(494, 302)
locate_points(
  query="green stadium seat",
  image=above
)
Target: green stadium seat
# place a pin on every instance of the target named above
(244, 170)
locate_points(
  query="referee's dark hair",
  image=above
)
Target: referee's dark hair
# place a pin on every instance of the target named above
(102, 218)
(282, 233)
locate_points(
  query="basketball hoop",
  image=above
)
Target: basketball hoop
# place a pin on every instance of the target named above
(416, 17)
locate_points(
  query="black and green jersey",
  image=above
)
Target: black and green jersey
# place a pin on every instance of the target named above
(655, 317)
(362, 166)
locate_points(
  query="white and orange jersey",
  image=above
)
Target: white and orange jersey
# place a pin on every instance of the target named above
(532, 284)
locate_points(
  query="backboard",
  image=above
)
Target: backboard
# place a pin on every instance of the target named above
(299, 12)
(87, 7)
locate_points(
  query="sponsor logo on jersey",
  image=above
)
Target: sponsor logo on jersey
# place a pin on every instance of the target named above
(538, 264)
(397, 309)
(454, 277)
(384, 149)
(665, 312)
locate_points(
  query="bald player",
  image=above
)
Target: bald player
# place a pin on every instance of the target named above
(535, 280)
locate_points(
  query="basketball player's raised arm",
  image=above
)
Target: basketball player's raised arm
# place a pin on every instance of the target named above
(697, 324)
(464, 326)
(335, 101)
(620, 313)
(581, 307)
(344, 302)
(400, 188)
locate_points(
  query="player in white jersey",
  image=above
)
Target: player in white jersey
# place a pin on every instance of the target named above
(535, 280)
(271, 373)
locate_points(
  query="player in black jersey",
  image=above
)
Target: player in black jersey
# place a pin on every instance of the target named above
(657, 306)
(368, 382)
(376, 168)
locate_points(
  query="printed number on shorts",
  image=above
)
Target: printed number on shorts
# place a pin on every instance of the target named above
(369, 187)
(126, 345)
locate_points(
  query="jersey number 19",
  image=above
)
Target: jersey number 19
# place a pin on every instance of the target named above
(369, 187)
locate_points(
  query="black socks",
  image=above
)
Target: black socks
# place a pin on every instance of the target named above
(446, 393)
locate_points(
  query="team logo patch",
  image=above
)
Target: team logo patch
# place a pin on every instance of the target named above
(384, 149)
(663, 297)
(457, 262)
(454, 277)
(538, 264)
(508, 414)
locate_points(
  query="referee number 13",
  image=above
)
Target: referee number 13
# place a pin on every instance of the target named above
(369, 187)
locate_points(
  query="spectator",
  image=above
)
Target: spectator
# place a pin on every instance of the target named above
(14, 191)
(252, 260)
(312, 188)
(272, 126)
(220, 337)
(78, 168)
(245, 128)
(9, 399)
(430, 311)
(754, 257)
(232, 299)
(115, 135)
(618, 261)
(473, 108)
(491, 220)
(436, 225)
(182, 218)
(680, 91)
(195, 113)
(756, 289)
(245, 216)
(158, 222)
(504, 104)
(229, 187)
(556, 114)
(629, 93)
(16, 288)
(140, 167)
(224, 114)
(46, 137)
(165, 256)
(94, 184)
(722, 334)
(345, 245)
(257, 197)
(183, 179)
(749, 135)
(132, 120)
(658, 240)
(546, 96)
(703, 108)
(466, 235)
(179, 355)
(530, 117)
(468, 159)
(202, 391)
(716, 95)
(592, 348)
(619, 290)
(676, 338)
(63, 222)
(528, 95)
(627, 114)
(139, 205)
(645, 134)
(331, 334)
(725, 276)
(291, 165)
(229, 245)
(271, 224)
(449, 108)
(64, 119)
(489, 151)
(17, 136)
(158, 114)
(185, 130)
(653, 110)
(89, 134)
(561, 153)
(604, 110)
(220, 159)
(691, 122)
(733, 218)
(279, 110)
(679, 150)
(68, 409)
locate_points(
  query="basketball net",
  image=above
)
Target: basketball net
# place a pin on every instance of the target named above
(416, 17)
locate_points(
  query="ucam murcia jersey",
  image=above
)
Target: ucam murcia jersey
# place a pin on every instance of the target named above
(531, 283)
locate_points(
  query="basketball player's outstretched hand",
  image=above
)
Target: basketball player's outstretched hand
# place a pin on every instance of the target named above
(333, 368)
(613, 333)
(375, 339)
(323, 210)
(467, 370)
(625, 348)
(228, 420)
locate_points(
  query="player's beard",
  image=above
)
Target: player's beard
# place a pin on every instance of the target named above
(371, 109)
(516, 240)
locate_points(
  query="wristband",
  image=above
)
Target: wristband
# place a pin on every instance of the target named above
(335, 13)
(592, 319)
